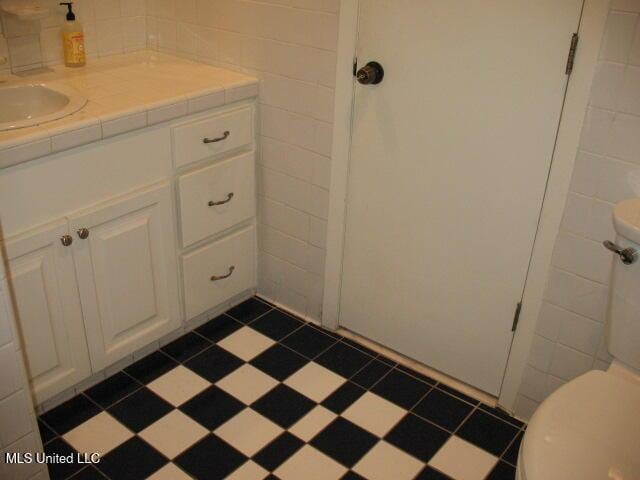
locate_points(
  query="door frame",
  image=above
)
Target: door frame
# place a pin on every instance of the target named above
(591, 29)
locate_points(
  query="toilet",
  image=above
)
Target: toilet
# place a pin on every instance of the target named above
(589, 429)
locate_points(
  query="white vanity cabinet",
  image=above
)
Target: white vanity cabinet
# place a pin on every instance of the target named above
(114, 245)
(45, 293)
(124, 254)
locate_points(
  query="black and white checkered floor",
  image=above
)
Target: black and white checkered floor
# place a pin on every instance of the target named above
(256, 393)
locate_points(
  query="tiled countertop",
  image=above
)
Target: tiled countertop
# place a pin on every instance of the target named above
(125, 93)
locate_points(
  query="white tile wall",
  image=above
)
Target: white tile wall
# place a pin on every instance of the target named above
(290, 45)
(570, 331)
(110, 27)
(18, 427)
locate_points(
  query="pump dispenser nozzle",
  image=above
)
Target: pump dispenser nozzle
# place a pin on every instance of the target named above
(70, 15)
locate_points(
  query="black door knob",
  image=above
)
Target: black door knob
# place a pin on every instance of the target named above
(371, 74)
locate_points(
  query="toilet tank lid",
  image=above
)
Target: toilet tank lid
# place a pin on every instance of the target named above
(588, 429)
(626, 219)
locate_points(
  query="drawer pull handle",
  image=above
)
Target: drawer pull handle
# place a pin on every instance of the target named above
(215, 278)
(224, 136)
(221, 202)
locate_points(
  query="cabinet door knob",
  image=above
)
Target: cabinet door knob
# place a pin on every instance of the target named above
(224, 136)
(221, 202)
(66, 240)
(83, 233)
(215, 278)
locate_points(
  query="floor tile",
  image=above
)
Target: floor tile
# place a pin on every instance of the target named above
(487, 432)
(384, 461)
(169, 472)
(309, 341)
(315, 381)
(442, 409)
(463, 461)
(343, 397)
(248, 432)
(120, 463)
(100, 434)
(249, 310)
(186, 346)
(212, 407)
(178, 385)
(114, 388)
(370, 374)
(458, 394)
(344, 441)
(511, 455)
(220, 327)
(279, 362)
(283, 405)
(502, 471)
(249, 471)
(246, 343)
(247, 383)
(88, 473)
(417, 437)
(210, 458)
(374, 413)
(430, 473)
(310, 464)
(401, 389)
(351, 475)
(152, 366)
(502, 415)
(70, 414)
(173, 433)
(46, 434)
(140, 409)
(276, 324)
(312, 423)
(343, 359)
(214, 363)
(279, 451)
(61, 470)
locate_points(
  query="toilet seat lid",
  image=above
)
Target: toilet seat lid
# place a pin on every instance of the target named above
(588, 429)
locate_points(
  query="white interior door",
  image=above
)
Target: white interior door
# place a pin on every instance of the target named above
(127, 273)
(449, 160)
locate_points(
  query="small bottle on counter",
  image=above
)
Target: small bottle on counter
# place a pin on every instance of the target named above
(73, 39)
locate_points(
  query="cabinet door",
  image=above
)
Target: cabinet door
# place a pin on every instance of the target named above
(127, 273)
(47, 304)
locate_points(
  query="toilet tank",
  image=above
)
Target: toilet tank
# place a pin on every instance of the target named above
(624, 310)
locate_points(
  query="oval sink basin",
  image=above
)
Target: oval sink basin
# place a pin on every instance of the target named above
(26, 105)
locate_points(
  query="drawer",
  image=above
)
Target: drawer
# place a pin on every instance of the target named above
(217, 197)
(212, 136)
(205, 269)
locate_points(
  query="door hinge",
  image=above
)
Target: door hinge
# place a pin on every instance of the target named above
(572, 54)
(355, 66)
(516, 317)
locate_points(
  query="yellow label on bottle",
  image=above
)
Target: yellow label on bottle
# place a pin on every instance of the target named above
(73, 48)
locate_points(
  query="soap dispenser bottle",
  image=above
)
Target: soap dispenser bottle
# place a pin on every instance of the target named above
(73, 39)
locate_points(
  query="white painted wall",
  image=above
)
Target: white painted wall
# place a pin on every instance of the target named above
(18, 427)
(290, 45)
(110, 27)
(569, 336)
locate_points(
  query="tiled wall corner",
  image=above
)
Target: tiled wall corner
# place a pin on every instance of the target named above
(18, 426)
(110, 27)
(569, 337)
(290, 45)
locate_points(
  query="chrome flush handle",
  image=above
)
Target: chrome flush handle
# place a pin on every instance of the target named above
(224, 136)
(215, 278)
(627, 255)
(221, 202)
